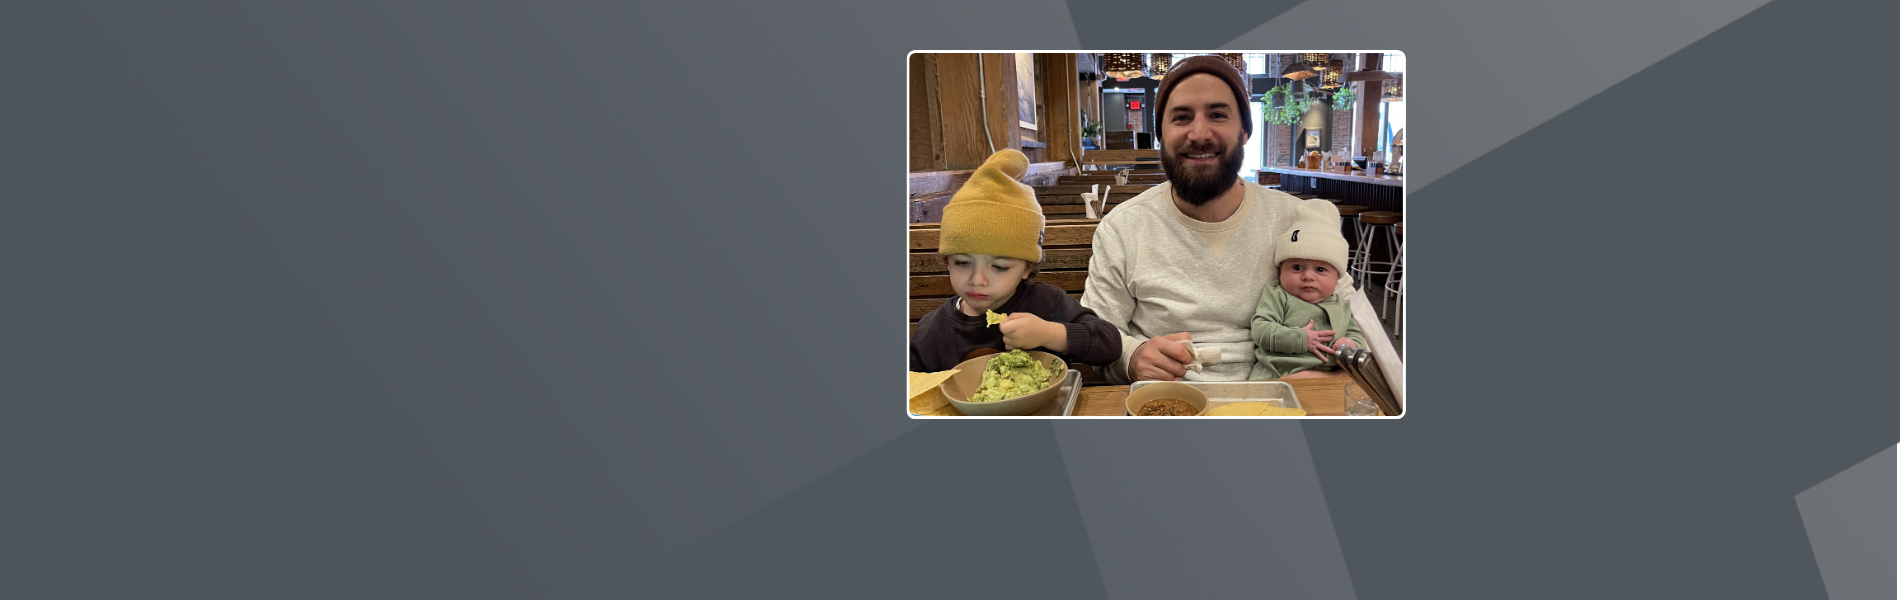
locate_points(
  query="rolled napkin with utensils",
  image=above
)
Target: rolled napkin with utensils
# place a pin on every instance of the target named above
(1202, 356)
(1091, 198)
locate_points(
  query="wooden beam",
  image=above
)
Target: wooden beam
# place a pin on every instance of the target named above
(1369, 104)
(926, 118)
(999, 71)
(965, 90)
(1061, 132)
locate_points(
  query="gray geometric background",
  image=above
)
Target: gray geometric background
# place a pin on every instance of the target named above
(407, 300)
(1848, 518)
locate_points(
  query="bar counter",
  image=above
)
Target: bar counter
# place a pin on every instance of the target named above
(1375, 192)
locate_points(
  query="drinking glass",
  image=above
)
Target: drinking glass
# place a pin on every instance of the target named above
(1358, 402)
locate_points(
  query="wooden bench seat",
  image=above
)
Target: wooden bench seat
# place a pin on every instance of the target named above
(1109, 158)
(930, 191)
(1150, 179)
(1065, 201)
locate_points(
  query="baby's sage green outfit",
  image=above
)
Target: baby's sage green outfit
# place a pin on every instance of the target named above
(1279, 332)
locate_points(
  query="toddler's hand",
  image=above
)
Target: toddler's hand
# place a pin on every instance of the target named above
(1316, 341)
(1025, 331)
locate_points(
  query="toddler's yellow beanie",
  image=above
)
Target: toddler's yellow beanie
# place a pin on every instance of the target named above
(993, 213)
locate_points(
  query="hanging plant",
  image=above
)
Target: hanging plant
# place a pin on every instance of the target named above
(1290, 109)
(1342, 99)
(1269, 112)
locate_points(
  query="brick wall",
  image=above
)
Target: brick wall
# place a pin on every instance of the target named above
(1279, 152)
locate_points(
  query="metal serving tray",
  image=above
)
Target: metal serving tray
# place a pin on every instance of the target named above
(1064, 405)
(1222, 393)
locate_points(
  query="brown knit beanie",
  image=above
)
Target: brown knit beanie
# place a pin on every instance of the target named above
(1212, 65)
(993, 213)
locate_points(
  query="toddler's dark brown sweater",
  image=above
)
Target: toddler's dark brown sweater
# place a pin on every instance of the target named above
(944, 336)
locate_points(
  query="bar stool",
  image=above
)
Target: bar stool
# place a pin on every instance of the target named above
(1396, 284)
(1369, 223)
(1356, 239)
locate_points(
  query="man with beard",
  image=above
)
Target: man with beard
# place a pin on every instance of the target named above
(1186, 260)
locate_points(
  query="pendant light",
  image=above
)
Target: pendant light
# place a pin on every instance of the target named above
(1235, 59)
(1240, 64)
(1158, 67)
(1125, 65)
(1334, 69)
(1296, 69)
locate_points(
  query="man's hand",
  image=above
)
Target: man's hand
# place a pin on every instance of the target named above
(1316, 341)
(1344, 343)
(1160, 359)
(1027, 331)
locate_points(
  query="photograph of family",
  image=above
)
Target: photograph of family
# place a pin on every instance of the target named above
(1135, 234)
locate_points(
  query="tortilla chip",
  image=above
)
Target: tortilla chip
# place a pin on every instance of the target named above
(1254, 409)
(931, 400)
(927, 381)
(992, 317)
(1234, 410)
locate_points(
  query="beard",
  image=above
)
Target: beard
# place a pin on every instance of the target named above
(1198, 186)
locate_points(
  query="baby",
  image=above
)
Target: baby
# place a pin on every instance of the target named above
(1297, 323)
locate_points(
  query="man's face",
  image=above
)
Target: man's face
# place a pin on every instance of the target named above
(1202, 142)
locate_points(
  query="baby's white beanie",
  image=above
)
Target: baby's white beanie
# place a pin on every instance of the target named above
(1314, 235)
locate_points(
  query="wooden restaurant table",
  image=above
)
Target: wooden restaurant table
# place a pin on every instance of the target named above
(1321, 397)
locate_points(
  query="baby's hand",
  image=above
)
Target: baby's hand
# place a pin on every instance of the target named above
(1316, 341)
(1026, 331)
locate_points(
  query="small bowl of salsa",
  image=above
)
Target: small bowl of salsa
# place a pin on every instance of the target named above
(1167, 399)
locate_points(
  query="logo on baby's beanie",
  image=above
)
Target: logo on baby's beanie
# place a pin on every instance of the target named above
(1296, 235)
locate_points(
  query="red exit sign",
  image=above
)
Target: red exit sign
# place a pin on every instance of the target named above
(1134, 105)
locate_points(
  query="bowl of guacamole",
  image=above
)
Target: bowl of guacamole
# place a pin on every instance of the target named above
(1012, 383)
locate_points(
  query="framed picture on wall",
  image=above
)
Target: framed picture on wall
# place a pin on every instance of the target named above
(1312, 138)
